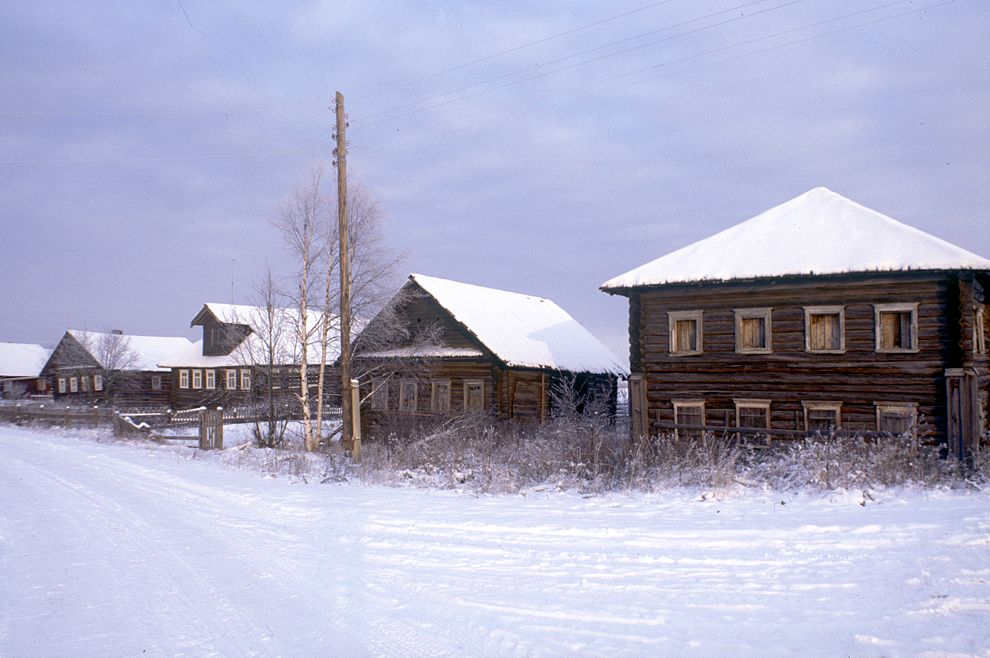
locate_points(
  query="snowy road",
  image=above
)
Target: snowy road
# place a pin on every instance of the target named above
(111, 550)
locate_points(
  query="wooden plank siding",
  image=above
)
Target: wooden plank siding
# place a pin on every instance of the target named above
(859, 377)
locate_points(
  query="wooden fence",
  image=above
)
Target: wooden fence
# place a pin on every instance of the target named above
(55, 414)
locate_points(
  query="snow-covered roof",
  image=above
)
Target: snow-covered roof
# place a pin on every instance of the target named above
(427, 351)
(148, 350)
(236, 313)
(522, 330)
(22, 359)
(819, 232)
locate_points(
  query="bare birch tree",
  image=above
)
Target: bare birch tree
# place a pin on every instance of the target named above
(112, 350)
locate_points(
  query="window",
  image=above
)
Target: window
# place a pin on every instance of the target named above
(197, 378)
(73, 384)
(231, 379)
(211, 378)
(61, 384)
(753, 414)
(379, 395)
(245, 379)
(896, 327)
(825, 329)
(407, 395)
(97, 382)
(896, 418)
(753, 331)
(440, 396)
(84, 384)
(822, 416)
(474, 395)
(979, 330)
(156, 382)
(183, 379)
(685, 332)
(689, 412)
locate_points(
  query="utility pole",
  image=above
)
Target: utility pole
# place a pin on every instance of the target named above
(345, 280)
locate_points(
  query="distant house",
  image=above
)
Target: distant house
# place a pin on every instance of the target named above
(816, 314)
(90, 366)
(20, 370)
(246, 353)
(497, 351)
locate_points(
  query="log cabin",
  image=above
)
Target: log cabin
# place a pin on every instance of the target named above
(20, 370)
(818, 314)
(247, 354)
(89, 367)
(490, 351)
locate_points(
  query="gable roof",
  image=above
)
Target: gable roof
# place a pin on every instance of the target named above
(818, 232)
(148, 350)
(22, 359)
(521, 330)
(231, 313)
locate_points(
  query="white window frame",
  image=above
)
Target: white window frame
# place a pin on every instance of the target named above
(822, 406)
(810, 311)
(231, 377)
(197, 378)
(751, 403)
(879, 309)
(468, 383)
(439, 404)
(682, 404)
(210, 378)
(183, 378)
(61, 384)
(84, 384)
(379, 395)
(766, 314)
(979, 330)
(245, 379)
(673, 317)
(156, 382)
(97, 382)
(403, 407)
(73, 384)
(905, 408)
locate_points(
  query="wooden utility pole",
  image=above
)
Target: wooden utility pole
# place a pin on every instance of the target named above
(345, 278)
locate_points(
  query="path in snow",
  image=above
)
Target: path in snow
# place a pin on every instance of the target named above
(109, 549)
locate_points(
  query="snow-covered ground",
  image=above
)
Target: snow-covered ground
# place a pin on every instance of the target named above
(113, 549)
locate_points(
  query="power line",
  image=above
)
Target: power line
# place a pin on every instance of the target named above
(501, 110)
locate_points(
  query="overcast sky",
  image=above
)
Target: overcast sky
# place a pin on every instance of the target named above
(536, 147)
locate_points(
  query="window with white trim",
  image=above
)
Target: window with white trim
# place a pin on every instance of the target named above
(84, 384)
(211, 378)
(753, 331)
(73, 385)
(825, 329)
(896, 417)
(474, 395)
(197, 378)
(822, 416)
(408, 392)
(686, 336)
(440, 396)
(61, 384)
(156, 382)
(97, 382)
(183, 379)
(245, 379)
(689, 412)
(379, 395)
(896, 327)
(752, 414)
(231, 379)
(979, 329)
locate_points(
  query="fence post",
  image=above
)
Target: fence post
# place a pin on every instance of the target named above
(218, 428)
(355, 420)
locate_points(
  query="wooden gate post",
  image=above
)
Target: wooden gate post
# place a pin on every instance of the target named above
(638, 411)
(355, 393)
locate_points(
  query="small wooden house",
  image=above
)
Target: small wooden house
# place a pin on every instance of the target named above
(495, 351)
(89, 366)
(20, 370)
(816, 314)
(247, 354)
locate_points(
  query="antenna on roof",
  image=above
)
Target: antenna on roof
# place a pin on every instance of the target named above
(232, 261)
